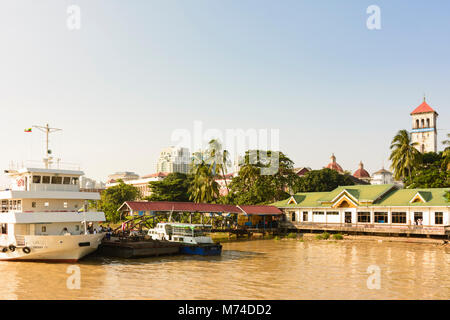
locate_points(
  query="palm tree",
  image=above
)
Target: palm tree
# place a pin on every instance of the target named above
(404, 155)
(446, 153)
(204, 187)
(218, 159)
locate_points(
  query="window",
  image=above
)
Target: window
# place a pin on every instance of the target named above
(423, 123)
(364, 217)
(19, 205)
(46, 204)
(66, 180)
(3, 228)
(44, 229)
(36, 179)
(293, 216)
(438, 218)
(77, 228)
(428, 123)
(75, 206)
(417, 124)
(33, 204)
(45, 179)
(381, 217)
(317, 213)
(332, 213)
(74, 180)
(418, 216)
(398, 217)
(56, 180)
(305, 215)
(65, 205)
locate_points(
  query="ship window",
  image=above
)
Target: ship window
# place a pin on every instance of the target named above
(46, 204)
(66, 180)
(45, 179)
(3, 228)
(77, 228)
(74, 180)
(65, 204)
(36, 179)
(44, 229)
(33, 204)
(56, 180)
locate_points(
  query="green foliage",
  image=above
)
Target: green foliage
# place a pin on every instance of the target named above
(292, 235)
(251, 186)
(204, 188)
(430, 171)
(322, 180)
(323, 236)
(173, 188)
(113, 197)
(404, 155)
(337, 236)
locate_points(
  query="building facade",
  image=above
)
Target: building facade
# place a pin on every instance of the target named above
(142, 183)
(371, 209)
(424, 130)
(174, 159)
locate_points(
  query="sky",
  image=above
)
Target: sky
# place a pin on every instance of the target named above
(135, 72)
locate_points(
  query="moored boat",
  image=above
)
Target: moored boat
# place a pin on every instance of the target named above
(193, 237)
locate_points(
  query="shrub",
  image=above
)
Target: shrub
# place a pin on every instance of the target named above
(277, 238)
(338, 236)
(323, 236)
(292, 236)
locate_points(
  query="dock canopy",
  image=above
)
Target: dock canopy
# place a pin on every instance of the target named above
(150, 207)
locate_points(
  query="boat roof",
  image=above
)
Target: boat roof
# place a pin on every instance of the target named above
(44, 170)
(187, 225)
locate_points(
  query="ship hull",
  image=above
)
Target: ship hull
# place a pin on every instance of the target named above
(69, 248)
(202, 249)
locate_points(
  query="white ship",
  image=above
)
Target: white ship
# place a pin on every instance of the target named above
(45, 216)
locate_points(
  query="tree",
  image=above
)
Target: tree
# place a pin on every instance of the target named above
(113, 197)
(218, 159)
(203, 187)
(404, 155)
(429, 172)
(322, 180)
(251, 186)
(446, 155)
(175, 187)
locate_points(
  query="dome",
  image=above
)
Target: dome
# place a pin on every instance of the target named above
(361, 172)
(333, 165)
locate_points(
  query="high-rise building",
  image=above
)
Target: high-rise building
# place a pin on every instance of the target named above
(424, 131)
(174, 159)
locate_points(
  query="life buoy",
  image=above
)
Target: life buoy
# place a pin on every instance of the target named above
(4, 249)
(12, 247)
(26, 250)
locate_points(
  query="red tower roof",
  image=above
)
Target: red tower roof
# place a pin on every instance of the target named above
(361, 172)
(333, 165)
(423, 108)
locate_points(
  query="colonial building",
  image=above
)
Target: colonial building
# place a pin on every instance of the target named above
(362, 173)
(333, 165)
(370, 209)
(142, 183)
(424, 131)
(382, 176)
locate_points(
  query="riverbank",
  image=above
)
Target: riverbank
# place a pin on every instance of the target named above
(224, 237)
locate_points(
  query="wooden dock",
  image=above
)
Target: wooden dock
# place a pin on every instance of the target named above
(127, 248)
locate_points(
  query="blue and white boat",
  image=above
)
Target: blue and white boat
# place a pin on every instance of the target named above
(193, 237)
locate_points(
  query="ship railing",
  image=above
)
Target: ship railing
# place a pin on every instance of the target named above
(41, 165)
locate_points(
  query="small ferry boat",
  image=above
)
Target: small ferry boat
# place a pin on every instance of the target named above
(45, 216)
(193, 237)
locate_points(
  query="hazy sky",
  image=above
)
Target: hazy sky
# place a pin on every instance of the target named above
(138, 70)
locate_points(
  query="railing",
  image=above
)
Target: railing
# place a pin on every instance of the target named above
(40, 164)
(54, 187)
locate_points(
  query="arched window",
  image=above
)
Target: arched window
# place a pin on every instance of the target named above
(417, 123)
(428, 123)
(423, 123)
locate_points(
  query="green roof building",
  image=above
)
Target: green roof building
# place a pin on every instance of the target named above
(376, 207)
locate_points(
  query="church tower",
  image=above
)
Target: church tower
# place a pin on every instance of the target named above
(424, 128)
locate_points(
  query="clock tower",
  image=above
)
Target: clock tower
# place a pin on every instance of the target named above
(424, 128)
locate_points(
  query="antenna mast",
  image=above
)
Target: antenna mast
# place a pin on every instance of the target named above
(46, 129)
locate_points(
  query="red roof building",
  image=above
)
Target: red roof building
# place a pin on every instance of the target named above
(333, 165)
(361, 173)
(423, 108)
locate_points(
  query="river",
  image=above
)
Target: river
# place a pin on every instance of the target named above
(262, 269)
